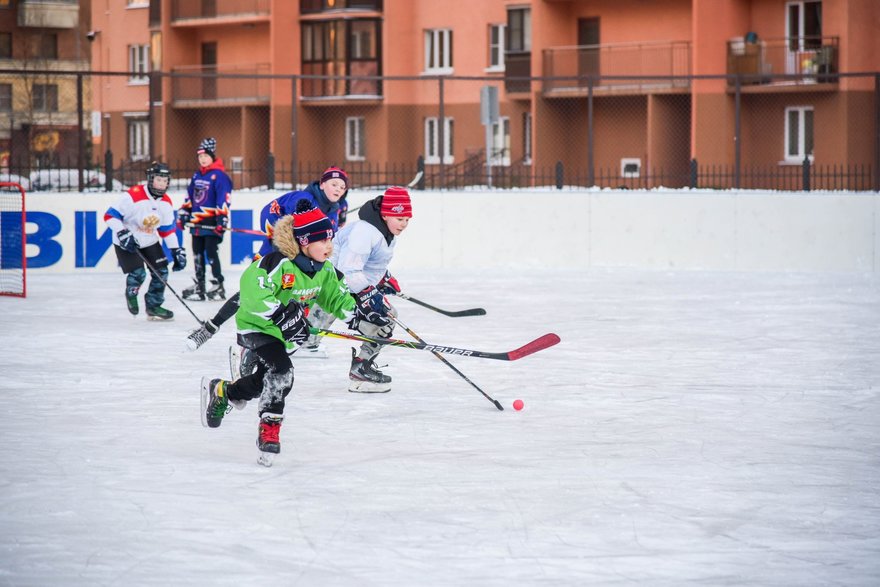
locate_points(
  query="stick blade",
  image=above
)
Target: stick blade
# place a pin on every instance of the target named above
(539, 344)
(462, 313)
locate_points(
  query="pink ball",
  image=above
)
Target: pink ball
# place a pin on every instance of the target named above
(518, 405)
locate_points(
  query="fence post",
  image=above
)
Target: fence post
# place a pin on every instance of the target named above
(270, 171)
(694, 172)
(420, 168)
(877, 132)
(559, 175)
(806, 173)
(737, 136)
(591, 169)
(294, 127)
(80, 138)
(108, 170)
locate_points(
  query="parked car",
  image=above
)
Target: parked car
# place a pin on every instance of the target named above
(13, 178)
(67, 180)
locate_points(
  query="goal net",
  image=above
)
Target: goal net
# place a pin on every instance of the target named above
(13, 263)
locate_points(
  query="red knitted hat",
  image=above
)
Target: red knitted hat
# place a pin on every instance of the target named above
(332, 172)
(396, 202)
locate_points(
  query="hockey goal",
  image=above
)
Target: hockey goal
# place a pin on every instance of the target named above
(13, 262)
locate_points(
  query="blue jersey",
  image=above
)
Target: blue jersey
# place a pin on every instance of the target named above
(286, 204)
(207, 198)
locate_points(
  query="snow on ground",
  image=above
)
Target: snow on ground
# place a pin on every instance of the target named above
(691, 428)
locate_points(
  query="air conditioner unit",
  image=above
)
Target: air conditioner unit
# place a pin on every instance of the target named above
(236, 164)
(630, 167)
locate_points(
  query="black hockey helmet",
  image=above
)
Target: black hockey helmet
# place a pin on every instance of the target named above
(157, 169)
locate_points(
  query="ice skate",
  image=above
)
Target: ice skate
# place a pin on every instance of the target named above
(200, 336)
(217, 293)
(365, 378)
(214, 403)
(309, 351)
(196, 292)
(131, 300)
(158, 313)
(268, 441)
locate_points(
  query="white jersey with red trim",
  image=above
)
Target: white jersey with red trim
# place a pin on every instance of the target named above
(147, 218)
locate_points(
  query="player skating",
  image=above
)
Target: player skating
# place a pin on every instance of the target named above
(139, 220)
(275, 291)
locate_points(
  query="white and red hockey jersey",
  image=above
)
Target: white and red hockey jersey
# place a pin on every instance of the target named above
(148, 218)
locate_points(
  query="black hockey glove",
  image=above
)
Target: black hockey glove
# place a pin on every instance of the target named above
(127, 240)
(388, 285)
(371, 307)
(183, 217)
(292, 322)
(179, 259)
(221, 225)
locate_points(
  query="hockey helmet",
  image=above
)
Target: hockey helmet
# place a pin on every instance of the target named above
(158, 169)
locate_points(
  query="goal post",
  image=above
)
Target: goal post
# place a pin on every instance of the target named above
(13, 240)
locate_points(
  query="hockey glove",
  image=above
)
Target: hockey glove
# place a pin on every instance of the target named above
(221, 225)
(183, 218)
(179, 259)
(388, 285)
(292, 322)
(127, 240)
(371, 307)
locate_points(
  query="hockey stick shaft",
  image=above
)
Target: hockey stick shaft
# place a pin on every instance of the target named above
(450, 313)
(450, 365)
(228, 229)
(168, 285)
(527, 349)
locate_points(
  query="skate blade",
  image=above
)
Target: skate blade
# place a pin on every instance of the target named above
(159, 319)
(368, 387)
(234, 362)
(266, 458)
(206, 382)
(304, 353)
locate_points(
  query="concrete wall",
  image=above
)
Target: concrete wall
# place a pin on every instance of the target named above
(683, 230)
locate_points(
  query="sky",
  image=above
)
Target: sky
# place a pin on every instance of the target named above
(691, 428)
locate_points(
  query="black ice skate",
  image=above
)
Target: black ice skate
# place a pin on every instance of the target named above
(200, 336)
(131, 299)
(215, 405)
(268, 441)
(159, 313)
(196, 292)
(217, 293)
(364, 377)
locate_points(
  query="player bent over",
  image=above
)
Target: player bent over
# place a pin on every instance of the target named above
(138, 220)
(275, 291)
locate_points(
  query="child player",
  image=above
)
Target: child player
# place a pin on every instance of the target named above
(275, 292)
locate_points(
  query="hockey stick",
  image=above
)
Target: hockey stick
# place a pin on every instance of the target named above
(450, 365)
(450, 313)
(228, 229)
(168, 285)
(539, 344)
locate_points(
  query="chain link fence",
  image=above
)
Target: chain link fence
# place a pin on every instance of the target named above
(784, 132)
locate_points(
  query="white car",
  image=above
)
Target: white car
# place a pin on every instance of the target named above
(67, 180)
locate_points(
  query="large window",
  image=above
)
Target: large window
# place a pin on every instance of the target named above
(5, 45)
(138, 63)
(5, 97)
(501, 142)
(138, 139)
(342, 48)
(798, 133)
(438, 50)
(432, 140)
(355, 139)
(804, 25)
(519, 30)
(496, 47)
(45, 46)
(44, 98)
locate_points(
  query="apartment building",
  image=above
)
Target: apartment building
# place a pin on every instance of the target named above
(608, 89)
(42, 47)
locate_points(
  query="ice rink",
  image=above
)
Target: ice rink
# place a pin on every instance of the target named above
(692, 428)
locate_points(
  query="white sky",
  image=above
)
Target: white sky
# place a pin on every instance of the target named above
(691, 428)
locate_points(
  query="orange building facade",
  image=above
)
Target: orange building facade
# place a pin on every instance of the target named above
(609, 89)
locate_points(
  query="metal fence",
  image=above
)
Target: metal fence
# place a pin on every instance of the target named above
(751, 130)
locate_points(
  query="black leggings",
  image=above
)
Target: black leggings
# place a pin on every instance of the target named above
(209, 245)
(271, 382)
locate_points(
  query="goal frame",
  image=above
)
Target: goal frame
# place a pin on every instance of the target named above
(23, 294)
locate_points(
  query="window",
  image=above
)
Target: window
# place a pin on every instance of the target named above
(804, 25)
(45, 98)
(355, 139)
(496, 47)
(432, 140)
(45, 46)
(138, 63)
(438, 50)
(138, 139)
(501, 142)
(527, 138)
(798, 133)
(5, 97)
(340, 48)
(5, 45)
(519, 30)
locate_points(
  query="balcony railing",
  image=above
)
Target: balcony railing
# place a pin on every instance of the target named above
(226, 9)
(628, 60)
(806, 59)
(516, 67)
(198, 85)
(337, 87)
(60, 14)
(316, 6)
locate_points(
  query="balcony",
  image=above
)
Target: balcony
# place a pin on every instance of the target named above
(617, 68)
(363, 82)
(233, 85)
(55, 14)
(783, 61)
(198, 12)
(517, 66)
(318, 6)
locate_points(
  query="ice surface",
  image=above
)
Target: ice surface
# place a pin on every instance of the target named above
(691, 428)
